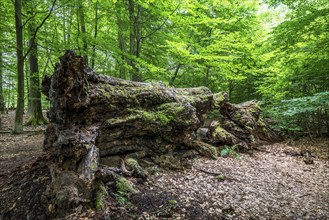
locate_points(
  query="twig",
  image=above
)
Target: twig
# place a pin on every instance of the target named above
(208, 172)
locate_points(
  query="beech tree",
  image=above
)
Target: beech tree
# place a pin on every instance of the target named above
(20, 68)
(2, 100)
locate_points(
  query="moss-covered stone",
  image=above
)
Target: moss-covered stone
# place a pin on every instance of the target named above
(219, 99)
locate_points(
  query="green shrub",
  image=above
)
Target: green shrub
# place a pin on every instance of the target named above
(304, 115)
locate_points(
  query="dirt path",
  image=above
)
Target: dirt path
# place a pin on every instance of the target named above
(272, 182)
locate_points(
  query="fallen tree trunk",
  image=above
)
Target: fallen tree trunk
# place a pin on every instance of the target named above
(96, 119)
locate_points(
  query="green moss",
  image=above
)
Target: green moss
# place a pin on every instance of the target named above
(157, 116)
(237, 115)
(125, 187)
(104, 92)
(93, 165)
(220, 133)
(121, 120)
(147, 116)
(164, 119)
(213, 152)
(101, 192)
(219, 98)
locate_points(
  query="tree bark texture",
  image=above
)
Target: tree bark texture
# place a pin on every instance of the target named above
(2, 98)
(135, 16)
(96, 119)
(18, 128)
(36, 116)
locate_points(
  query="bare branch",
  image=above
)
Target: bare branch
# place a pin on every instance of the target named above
(37, 29)
(30, 18)
(160, 27)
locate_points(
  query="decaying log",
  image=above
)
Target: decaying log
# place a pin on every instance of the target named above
(100, 118)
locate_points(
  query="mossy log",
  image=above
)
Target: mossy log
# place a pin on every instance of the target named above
(95, 117)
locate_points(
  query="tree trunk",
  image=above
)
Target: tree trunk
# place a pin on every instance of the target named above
(18, 128)
(122, 60)
(95, 118)
(2, 99)
(95, 36)
(207, 76)
(135, 38)
(36, 116)
(175, 74)
(81, 16)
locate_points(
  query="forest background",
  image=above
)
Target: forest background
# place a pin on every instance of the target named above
(275, 51)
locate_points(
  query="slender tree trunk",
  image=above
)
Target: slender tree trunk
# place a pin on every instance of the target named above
(20, 68)
(64, 26)
(9, 94)
(138, 27)
(2, 103)
(230, 88)
(121, 61)
(135, 38)
(81, 16)
(175, 74)
(123, 51)
(95, 36)
(36, 117)
(207, 76)
(2, 100)
(27, 83)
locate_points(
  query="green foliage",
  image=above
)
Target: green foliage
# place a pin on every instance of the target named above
(306, 114)
(122, 200)
(220, 177)
(297, 53)
(230, 151)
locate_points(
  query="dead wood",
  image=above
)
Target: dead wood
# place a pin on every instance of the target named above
(94, 117)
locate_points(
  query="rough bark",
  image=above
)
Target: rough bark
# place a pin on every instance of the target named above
(96, 119)
(35, 113)
(2, 99)
(18, 128)
(135, 16)
(122, 60)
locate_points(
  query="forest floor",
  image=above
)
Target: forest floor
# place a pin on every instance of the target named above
(270, 182)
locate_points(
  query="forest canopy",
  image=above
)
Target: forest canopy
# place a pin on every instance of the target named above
(275, 51)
